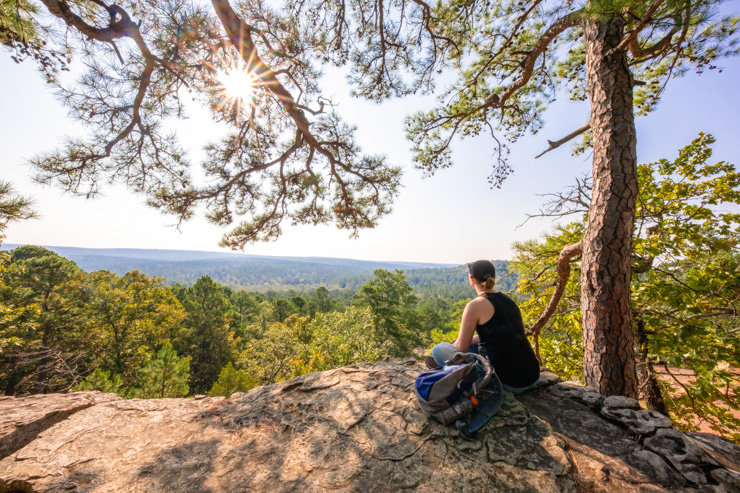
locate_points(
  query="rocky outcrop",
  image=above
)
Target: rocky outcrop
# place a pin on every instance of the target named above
(360, 429)
(21, 420)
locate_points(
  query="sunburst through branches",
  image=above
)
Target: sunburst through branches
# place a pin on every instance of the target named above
(235, 90)
(238, 84)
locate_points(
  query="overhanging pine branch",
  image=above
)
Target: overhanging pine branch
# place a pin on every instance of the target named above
(567, 21)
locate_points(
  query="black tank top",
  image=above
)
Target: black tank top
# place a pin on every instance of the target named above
(507, 347)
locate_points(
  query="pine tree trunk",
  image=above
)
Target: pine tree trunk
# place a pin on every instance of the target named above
(646, 374)
(15, 375)
(608, 346)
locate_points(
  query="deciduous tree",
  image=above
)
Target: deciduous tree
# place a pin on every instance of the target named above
(131, 318)
(231, 380)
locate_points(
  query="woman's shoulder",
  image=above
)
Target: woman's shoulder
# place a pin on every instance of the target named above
(480, 302)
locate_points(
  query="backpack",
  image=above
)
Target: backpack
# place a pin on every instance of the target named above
(466, 386)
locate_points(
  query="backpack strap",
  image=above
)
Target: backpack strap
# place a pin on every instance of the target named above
(490, 401)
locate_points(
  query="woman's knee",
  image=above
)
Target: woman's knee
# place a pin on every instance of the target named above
(442, 352)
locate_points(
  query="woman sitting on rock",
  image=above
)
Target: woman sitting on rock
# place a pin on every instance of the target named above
(492, 326)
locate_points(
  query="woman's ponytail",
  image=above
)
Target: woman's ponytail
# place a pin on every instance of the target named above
(489, 282)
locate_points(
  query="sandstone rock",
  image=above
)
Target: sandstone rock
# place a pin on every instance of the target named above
(349, 430)
(547, 378)
(723, 451)
(24, 418)
(619, 401)
(577, 393)
(639, 421)
(604, 454)
(728, 479)
(680, 452)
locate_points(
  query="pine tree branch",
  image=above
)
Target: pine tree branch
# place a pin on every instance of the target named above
(632, 36)
(239, 33)
(124, 27)
(557, 143)
(527, 64)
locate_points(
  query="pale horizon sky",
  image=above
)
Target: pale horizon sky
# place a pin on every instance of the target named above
(453, 217)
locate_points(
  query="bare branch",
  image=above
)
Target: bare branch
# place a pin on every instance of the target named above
(555, 144)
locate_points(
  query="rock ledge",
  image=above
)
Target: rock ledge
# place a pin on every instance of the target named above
(352, 429)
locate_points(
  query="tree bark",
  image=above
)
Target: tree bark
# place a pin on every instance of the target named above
(648, 381)
(608, 339)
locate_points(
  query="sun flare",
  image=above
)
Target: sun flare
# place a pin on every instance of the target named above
(237, 84)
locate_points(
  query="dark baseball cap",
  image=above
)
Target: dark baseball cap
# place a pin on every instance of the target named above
(481, 270)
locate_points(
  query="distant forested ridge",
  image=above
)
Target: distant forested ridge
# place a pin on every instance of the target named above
(263, 273)
(440, 282)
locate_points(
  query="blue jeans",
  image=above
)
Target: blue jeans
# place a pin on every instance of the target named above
(442, 352)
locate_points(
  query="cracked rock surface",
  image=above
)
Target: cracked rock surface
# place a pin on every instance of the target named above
(21, 420)
(357, 429)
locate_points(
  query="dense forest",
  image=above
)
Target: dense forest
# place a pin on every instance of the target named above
(137, 336)
(238, 271)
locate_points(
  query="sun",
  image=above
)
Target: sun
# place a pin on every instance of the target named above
(237, 84)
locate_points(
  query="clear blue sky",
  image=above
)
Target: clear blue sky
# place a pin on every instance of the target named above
(453, 217)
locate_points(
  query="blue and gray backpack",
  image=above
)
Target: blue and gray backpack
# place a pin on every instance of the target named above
(466, 391)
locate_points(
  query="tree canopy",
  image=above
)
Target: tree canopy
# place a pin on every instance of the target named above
(288, 155)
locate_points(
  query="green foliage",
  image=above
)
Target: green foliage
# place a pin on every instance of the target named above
(342, 339)
(207, 338)
(231, 380)
(23, 35)
(165, 375)
(100, 380)
(298, 345)
(437, 336)
(13, 207)
(17, 322)
(562, 348)
(16, 23)
(392, 304)
(130, 317)
(451, 282)
(44, 300)
(687, 260)
(134, 326)
(685, 284)
(281, 353)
